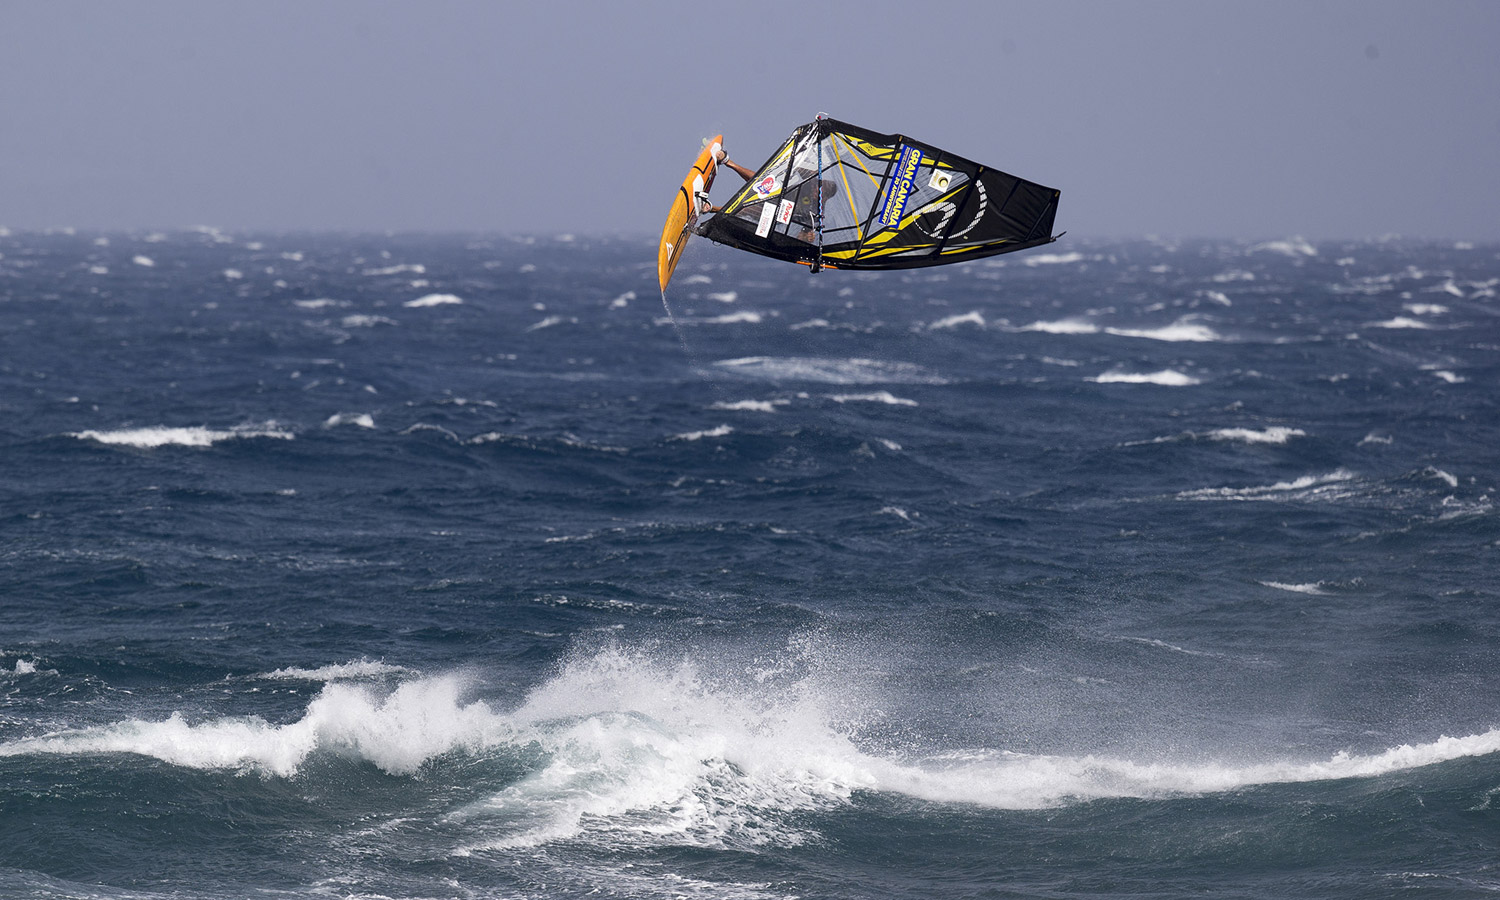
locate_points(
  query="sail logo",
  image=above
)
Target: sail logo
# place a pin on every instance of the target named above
(766, 186)
(903, 182)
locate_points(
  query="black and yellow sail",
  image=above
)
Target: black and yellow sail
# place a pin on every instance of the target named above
(845, 197)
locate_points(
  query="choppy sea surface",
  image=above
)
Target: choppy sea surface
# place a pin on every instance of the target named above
(463, 567)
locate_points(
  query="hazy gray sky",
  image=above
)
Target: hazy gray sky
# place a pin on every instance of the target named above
(1255, 119)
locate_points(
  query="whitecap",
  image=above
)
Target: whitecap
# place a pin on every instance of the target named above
(363, 321)
(746, 317)
(1314, 588)
(1334, 485)
(1399, 322)
(829, 371)
(1445, 477)
(885, 397)
(356, 669)
(1053, 259)
(721, 431)
(1276, 434)
(550, 321)
(433, 300)
(1063, 326)
(415, 269)
(397, 732)
(1184, 329)
(968, 318)
(1024, 781)
(199, 436)
(146, 261)
(1165, 378)
(724, 296)
(1294, 247)
(765, 406)
(363, 420)
(1233, 275)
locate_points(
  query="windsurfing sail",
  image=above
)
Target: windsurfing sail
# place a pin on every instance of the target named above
(845, 197)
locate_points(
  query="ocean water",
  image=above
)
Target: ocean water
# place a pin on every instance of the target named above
(367, 566)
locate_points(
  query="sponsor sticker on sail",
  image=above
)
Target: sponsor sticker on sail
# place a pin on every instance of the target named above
(902, 184)
(767, 216)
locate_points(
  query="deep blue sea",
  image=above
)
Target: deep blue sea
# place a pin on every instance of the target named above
(363, 566)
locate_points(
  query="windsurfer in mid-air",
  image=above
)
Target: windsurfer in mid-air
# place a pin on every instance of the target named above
(804, 214)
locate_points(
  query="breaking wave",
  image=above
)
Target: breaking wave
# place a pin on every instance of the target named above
(627, 746)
